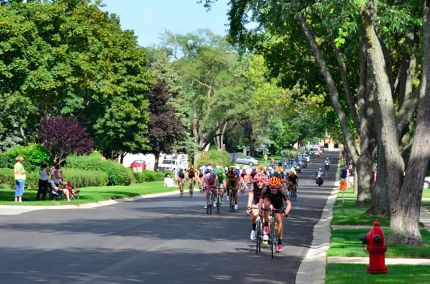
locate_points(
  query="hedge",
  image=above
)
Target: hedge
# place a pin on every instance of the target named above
(117, 173)
(78, 178)
(148, 176)
(33, 155)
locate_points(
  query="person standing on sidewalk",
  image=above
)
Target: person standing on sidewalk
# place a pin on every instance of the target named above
(19, 172)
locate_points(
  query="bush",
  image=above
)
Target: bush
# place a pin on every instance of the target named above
(145, 176)
(84, 178)
(33, 155)
(214, 158)
(78, 178)
(117, 174)
(7, 178)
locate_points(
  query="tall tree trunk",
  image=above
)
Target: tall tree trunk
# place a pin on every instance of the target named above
(380, 205)
(157, 160)
(403, 207)
(404, 221)
(365, 110)
(334, 94)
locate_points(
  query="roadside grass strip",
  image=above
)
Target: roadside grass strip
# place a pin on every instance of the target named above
(426, 204)
(346, 242)
(348, 193)
(348, 213)
(89, 194)
(426, 193)
(357, 274)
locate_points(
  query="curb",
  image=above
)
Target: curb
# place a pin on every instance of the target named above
(388, 261)
(16, 210)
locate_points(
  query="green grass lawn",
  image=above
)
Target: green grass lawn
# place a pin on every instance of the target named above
(346, 242)
(357, 274)
(347, 213)
(426, 193)
(348, 193)
(89, 194)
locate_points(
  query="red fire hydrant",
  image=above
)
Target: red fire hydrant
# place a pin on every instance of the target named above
(376, 249)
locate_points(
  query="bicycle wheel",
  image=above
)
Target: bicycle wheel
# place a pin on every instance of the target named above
(218, 203)
(232, 201)
(258, 233)
(273, 237)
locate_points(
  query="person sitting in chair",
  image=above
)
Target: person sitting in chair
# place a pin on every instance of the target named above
(56, 191)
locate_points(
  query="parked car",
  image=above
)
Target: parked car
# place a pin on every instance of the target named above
(138, 166)
(246, 160)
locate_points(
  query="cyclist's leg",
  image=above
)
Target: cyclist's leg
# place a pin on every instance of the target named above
(278, 218)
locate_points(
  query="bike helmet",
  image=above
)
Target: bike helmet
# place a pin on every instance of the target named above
(274, 181)
(211, 179)
(259, 177)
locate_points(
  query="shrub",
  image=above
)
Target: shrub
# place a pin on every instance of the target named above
(214, 158)
(31, 181)
(84, 178)
(33, 155)
(145, 176)
(78, 178)
(117, 174)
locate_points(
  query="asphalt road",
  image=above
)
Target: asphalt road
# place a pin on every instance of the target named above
(161, 240)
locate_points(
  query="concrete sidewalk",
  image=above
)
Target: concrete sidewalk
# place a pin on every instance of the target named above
(388, 261)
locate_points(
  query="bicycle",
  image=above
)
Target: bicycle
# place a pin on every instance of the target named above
(181, 183)
(191, 186)
(232, 199)
(214, 197)
(258, 232)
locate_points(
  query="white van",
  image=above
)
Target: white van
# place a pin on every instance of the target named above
(173, 163)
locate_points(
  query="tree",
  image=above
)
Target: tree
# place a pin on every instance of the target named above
(69, 58)
(62, 137)
(377, 106)
(164, 126)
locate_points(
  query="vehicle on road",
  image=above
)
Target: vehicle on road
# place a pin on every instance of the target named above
(246, 160)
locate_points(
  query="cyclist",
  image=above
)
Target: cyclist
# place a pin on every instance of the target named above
(220, 176)
(255, 201)
(292, 181)
(244, 178)
(181, 180)
(232, 184)
(191, 178)
(274, 196)
(210, 183)
(201, 180)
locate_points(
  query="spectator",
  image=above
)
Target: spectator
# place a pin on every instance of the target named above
(19, 172)
(343, 173)
(57, 174)
(43, 181)
(350, 176)
(57, 191)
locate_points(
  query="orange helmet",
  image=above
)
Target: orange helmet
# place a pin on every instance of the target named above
(274, 181)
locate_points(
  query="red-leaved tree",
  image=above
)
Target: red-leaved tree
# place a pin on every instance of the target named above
(63, 136)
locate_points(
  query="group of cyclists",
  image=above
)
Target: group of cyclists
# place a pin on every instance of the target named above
(269, 189)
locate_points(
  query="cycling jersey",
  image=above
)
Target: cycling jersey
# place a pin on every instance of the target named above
(181, 175)
(276, 195)
(220, 179)
(293, 179)
(191, 173)
(258, 193)
(206, 181)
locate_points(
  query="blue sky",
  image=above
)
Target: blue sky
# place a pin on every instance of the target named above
(150, 18)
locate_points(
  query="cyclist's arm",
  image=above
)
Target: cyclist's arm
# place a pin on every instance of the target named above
(250, 198)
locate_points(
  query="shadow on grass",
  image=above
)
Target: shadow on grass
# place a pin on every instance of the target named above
(347, 212)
